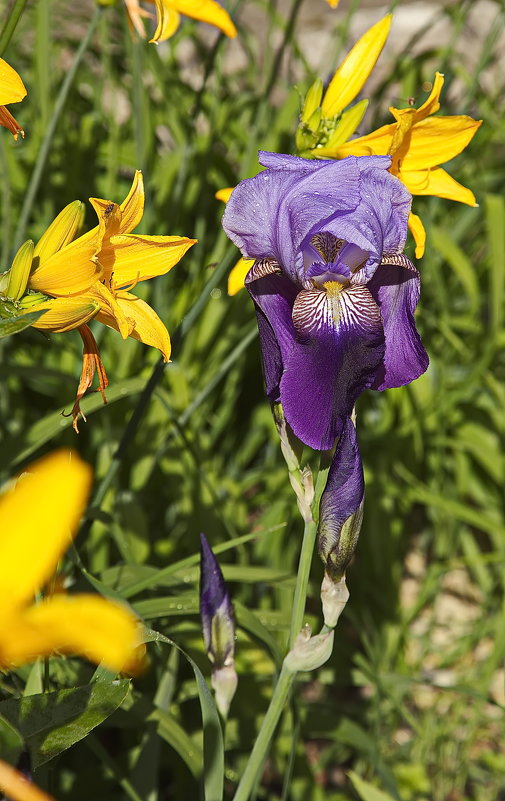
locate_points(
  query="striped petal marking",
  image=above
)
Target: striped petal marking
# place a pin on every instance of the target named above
(261, 268)
(328, 245)
(319, 311)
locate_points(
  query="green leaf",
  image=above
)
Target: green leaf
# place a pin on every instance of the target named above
(213, 746)
(14, 325)
(367, 791)
(52, 722)
(21, 447)
(173, 733)
(495, 223)
(248, 621)
(460, 263)
(11, 741)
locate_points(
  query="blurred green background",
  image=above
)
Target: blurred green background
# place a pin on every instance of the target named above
(413, 697)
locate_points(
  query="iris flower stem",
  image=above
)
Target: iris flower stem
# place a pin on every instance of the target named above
(302, 580)
(10, 24)
(47, 141)
(270, 721)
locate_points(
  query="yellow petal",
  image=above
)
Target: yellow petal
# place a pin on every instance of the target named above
(88, 625)
(71, 270)
(145, 324)
(224, 194)
(439, 183)
(109, 306)
(237, 275)
(205, 11)
(167, 21)
(124, 218)
(355, 68)
(376, 143)
(417, 230)
(63, 230)
(136, 258)
(17, 787)
(333, 3)
(64, 314)
(20, 271)
(347, 124)
(438, 139)
(12, 88)
(37, 520)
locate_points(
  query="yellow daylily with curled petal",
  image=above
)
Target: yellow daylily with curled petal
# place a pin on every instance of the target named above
(419, 143)
(37, 519)
(12, 90)
(91, 276)
(168, 16)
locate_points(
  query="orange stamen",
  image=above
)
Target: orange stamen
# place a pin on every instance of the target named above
(91, 363)
(8, 121)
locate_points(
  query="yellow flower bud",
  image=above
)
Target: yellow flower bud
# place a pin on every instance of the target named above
(312, 100)
(20, 271)
(61, 232)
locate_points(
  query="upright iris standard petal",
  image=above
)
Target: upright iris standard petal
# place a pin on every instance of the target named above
(341, 505)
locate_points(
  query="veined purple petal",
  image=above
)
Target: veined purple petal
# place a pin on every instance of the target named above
(340, 510)
(339, 347)
(270, 215)
(274, 296)
(216, 611)
(379, 224)
(396, 289)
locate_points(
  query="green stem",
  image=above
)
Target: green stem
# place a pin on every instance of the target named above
(302, 580)
(259, 752)
(10, 24)
(47, 142)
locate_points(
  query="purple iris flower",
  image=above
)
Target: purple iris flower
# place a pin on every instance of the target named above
(334, 294)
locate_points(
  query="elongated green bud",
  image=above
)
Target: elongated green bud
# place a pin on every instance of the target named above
(19, 273)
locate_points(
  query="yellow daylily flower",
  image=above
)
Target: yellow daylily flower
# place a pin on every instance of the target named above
(333, 3)
(355, 69)
(12, 90)
(17, 787)
(92, 277)
(323, 121)
(236, 278)
(37, 519)
(168, 16)
(418, 143)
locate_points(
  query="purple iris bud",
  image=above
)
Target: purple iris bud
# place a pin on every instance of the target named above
(218, 625)
(341, 507)
(334, 295)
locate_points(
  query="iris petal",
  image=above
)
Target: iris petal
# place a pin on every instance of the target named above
(339, 350)
(274, 297)
(396, 288)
